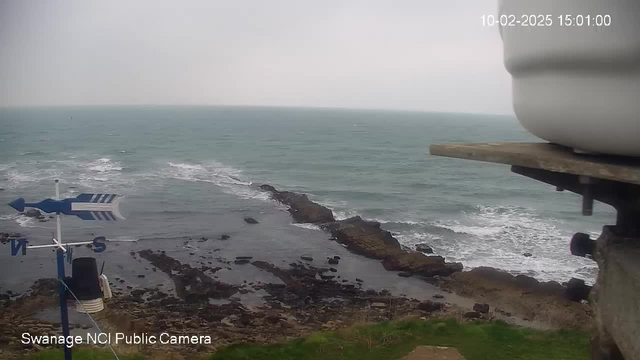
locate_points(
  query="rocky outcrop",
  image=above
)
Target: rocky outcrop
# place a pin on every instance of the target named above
(364, 237)
(418, 263)
(369, 239)
(301, 208)
(520, 294)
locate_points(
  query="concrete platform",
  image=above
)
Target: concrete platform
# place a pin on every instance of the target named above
(433, 353)
(546, 156)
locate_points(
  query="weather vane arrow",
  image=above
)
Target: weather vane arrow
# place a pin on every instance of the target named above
(84, 206)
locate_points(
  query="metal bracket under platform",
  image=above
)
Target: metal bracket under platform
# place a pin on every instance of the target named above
(611, 180)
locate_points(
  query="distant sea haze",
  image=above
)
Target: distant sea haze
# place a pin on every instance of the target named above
(183, 170)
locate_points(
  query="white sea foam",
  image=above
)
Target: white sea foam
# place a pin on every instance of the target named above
(231, 180)
(406, 222)
(122, 239)
(307, 226)
(498, 236)
(26, 177)
(25, 221)
(10, 216)
(480, 231)
(91, 174)
(104, 165)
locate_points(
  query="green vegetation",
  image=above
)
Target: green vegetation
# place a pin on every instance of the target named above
(392, 340)
(475, 341)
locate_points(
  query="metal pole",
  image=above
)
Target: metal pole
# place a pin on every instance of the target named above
(62, 291)
(64, 316)
(59, 231)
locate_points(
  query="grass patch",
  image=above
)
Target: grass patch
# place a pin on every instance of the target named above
(390, 341)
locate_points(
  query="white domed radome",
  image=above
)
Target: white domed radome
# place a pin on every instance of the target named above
(576, 82)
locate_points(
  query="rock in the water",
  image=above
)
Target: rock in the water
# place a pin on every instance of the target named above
(333, 261)
(224, 237)
(333, 269)
(242, 261)
(424, 248)
(438, 296)
(364, 237)
(527, 254)
(577, 290)
(430, 306)
(244, 257)
(481, 308)
(419, 263)
(301, 208)
(250, 220)
(306, 258)
(405, 274)
(34, 213)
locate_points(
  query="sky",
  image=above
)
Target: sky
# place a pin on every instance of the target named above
(421, 55)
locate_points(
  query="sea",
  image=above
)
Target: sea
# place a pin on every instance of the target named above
(191, 172)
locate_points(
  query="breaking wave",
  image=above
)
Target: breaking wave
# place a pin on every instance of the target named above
(231, 180)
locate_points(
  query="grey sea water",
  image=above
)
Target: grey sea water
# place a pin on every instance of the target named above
(191, 171)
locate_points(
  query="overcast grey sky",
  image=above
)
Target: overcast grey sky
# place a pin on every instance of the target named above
(392, 54)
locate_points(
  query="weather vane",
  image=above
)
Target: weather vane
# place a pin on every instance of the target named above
(86, 207)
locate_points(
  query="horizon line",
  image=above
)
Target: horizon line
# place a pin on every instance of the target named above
(10, 107)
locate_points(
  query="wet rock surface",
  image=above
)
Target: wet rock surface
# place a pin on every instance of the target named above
(418, 263)
(364, 237)
(301, 208)
(424, 248)
(192, 285)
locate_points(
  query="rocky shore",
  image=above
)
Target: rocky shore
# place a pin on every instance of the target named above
(297, 297)
(305, 300)
(550, 302)
(363, 237)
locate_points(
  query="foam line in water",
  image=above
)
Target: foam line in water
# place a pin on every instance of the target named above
(231, 180)
(499, 236)
(307, 226)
